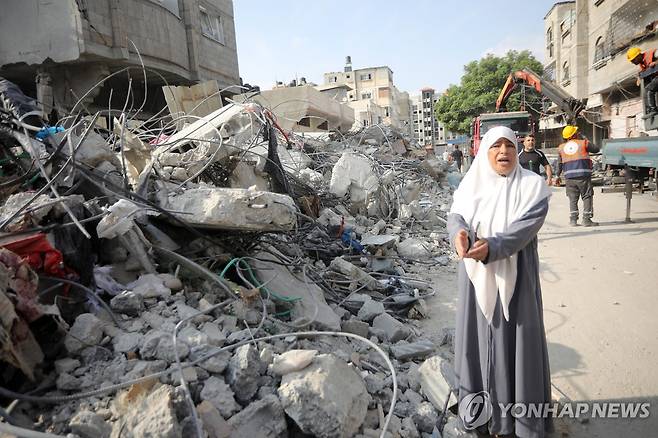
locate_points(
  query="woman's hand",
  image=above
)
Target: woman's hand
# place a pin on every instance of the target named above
(461, 243)
(479, 251)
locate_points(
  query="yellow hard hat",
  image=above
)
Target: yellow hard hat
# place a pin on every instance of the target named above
(632, 53)
(569, 131)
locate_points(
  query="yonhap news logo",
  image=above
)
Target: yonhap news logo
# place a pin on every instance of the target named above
(476, 410)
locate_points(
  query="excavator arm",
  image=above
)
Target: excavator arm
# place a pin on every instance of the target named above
(567, 104)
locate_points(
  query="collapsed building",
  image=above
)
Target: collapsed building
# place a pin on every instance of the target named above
(74, 44)
(218, 275)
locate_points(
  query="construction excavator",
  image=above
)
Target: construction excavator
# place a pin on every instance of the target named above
(521, 122)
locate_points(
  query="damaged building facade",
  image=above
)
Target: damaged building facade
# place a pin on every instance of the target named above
(585, 53)
(372, 94)
(56, 51)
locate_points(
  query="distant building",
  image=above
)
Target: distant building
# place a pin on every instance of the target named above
(586, 44)
(427, 130)
(50, 48)
(371, 93)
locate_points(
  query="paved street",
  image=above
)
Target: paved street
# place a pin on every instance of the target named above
(600, 301)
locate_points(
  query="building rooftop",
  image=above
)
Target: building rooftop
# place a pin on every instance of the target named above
(557, 4)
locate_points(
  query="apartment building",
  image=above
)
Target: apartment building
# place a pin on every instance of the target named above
(586, 43)
(50, 48)
(371, 93)
(427, 130)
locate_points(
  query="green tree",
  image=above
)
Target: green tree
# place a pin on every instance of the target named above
(479, 88)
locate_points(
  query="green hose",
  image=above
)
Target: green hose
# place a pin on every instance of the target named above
(243, 263)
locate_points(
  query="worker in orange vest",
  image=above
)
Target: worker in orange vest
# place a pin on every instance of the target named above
(574, 160)
(646, 60)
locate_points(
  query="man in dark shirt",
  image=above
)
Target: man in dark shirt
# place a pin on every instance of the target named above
(531, 158)
(457, 157)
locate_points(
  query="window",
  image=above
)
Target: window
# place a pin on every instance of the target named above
(549, 42)
(567, 23)
(348, 76)
(599, 50)
(366, 95)
(365, 77)
(304, 121)
(387, 111)
(565, 72)
(324, 126)
(211, 26)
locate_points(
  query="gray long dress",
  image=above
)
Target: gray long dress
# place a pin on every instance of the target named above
(518, 370)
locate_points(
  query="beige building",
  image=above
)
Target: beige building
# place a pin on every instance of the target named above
(52, 47)
(372, 94)
(586, 43)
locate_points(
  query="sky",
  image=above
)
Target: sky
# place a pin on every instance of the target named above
(426, 43)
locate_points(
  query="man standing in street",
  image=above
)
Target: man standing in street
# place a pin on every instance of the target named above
(458, 157)
(575, 161)
(533, 159)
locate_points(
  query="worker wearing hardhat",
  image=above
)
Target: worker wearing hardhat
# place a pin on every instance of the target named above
(646, 60)
(576, 164)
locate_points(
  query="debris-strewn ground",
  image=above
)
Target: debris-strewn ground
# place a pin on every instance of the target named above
(222, 279)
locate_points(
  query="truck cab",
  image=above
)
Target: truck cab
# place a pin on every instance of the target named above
(518, 121)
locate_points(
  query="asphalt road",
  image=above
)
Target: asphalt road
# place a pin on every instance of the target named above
(600, 291)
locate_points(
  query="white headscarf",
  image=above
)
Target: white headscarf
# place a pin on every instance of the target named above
(489, 203)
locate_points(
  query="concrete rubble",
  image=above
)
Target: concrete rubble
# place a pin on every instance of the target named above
(224, 275)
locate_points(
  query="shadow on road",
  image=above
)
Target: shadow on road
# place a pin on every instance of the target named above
(546, 236)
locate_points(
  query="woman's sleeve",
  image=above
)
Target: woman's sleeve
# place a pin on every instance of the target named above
(455, 223)
(519, 233)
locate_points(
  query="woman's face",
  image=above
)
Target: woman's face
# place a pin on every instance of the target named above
(502, 156)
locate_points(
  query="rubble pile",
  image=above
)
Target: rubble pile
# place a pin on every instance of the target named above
(217, 277)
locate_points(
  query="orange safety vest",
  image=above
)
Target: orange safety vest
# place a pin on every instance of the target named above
(647, 59)
(575, 159)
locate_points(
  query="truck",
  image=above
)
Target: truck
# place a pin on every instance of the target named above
(634, 158)
(522, 122)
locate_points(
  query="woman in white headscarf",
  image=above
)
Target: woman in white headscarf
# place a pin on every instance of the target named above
(500, 343)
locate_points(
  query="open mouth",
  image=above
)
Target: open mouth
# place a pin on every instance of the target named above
(503, 160)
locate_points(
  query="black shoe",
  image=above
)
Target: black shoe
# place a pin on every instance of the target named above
(587, 222)
(573, 222)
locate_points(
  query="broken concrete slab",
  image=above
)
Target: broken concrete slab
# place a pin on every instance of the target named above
(425, 417)
(356, 327)
(375, 242)
(87, 424)
(154, 416)
(231, 209)
(327, 399)
(128, 303)
(292, 360)
(433, 382)
(126, 342)
(370, 310)
(220, 395)
(243, 372)
(414, 249)
(392, 329)
(312, 306)
(413, 350)
(213, 422)
(263, 418)
(357, 274)
(87, 330)
(150, 286)
(353, 174)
